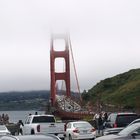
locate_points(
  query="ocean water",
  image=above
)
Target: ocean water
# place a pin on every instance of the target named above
(14, 116)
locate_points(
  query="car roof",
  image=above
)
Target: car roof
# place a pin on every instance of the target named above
(34, 137)
(124, 113)
(79, 122)
(138, 124)
(135, 121)
(42, 115)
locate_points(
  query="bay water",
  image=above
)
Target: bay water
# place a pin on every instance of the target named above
(15, 116)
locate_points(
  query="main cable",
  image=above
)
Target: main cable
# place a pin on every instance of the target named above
(77, 82)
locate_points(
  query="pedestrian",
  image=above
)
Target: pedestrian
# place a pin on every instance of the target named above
(36, 113)
(6, 119)
(100, 124)
(94, 121)
(20, 126)
(3, 117)
(1, 122)
(105, 116)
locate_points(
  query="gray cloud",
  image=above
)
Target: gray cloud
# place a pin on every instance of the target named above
(104, 34)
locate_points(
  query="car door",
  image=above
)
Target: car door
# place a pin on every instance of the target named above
(26, 128)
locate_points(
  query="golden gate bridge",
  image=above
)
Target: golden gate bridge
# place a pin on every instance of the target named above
(66, 107)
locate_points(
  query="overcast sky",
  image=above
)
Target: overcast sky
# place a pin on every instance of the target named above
(105, 36)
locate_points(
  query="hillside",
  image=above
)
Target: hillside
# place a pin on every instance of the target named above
(28, 100)
(122, 91)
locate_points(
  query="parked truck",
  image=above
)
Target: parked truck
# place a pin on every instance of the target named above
(43, 124)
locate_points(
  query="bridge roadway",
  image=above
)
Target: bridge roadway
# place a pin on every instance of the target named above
(68, 109)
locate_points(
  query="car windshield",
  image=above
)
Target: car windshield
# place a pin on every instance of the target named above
(128, 130)
(81, 125)
(2, 127)
(43, 119)
(126, 119)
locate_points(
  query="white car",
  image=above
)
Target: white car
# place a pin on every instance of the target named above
(4, 130)
(43, 124)
(80, 130)
(31, 137)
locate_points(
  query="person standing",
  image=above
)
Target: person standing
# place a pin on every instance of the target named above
(36, 113)
(100, 125)
(20, 126)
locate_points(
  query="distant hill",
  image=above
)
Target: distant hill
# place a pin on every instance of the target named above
(28, 100)
(122, 90)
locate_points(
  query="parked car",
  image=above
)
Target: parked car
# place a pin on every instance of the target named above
(120, 119)
(80, 130)
(4, 130)
(118, 129)
(43, 124)
(129, 133)
(30, 137)
(135, 121)
(109, 131)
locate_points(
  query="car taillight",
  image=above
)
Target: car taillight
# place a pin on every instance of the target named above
(76, 131)
(92, 130)
(38, 128)
(115, 125)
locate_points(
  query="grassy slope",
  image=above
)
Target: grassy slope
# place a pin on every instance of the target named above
(123, 89)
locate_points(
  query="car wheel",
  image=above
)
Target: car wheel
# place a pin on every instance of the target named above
(70, 138)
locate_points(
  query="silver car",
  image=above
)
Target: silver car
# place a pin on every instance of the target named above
(30, 137)
(135, 121)
(80, 130)
(109, 131)
(129, 133)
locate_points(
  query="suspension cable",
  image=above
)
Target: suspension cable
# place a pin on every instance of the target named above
(77, 82)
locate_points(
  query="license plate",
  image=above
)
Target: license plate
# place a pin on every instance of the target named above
(84, 131)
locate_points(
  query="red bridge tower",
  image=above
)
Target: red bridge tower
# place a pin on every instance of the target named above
(59, 75)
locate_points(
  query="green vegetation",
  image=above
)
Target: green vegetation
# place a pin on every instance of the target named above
(122, 90)
(28, 100)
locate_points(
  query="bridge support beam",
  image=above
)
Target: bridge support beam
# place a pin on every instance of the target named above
(59, 75)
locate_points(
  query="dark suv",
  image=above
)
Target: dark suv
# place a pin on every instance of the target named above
(120, 119)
